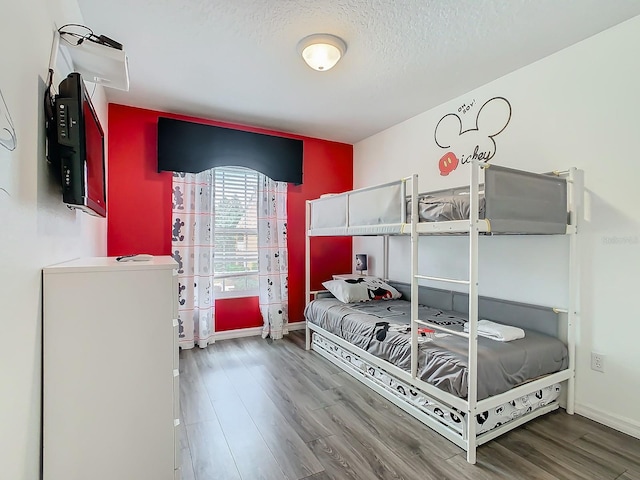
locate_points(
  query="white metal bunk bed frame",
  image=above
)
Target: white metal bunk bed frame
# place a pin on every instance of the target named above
(471, 406)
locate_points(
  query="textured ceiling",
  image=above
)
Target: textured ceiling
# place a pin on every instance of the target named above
(236, 60)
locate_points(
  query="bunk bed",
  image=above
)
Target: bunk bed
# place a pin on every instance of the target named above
(449, 378)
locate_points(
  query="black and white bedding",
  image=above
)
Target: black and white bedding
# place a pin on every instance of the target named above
(382, 329)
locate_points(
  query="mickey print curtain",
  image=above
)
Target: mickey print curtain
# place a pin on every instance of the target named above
(193, 242)
(272, 256)
(192, 245)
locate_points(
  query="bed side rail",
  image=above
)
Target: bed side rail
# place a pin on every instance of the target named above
(371, 206)
(517, 201)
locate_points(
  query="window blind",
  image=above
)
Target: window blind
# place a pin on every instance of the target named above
(236, 229)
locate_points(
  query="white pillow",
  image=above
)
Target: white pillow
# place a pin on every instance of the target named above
(361, 289)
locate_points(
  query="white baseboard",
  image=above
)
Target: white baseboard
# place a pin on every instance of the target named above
(297, 326)
(622, 424)
(238, 333)
(251, 332)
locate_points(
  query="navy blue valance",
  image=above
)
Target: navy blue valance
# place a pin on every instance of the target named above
(194, 147)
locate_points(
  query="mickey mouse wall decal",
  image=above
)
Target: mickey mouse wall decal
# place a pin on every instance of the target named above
(475, 143)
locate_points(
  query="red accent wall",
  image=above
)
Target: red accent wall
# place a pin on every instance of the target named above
(139, 206)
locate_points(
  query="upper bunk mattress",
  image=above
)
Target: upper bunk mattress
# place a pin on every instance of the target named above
(382, 329)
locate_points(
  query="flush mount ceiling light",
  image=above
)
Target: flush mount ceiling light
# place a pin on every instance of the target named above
(321, 51)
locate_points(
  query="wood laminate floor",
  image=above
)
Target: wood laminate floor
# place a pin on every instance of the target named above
(257, 409)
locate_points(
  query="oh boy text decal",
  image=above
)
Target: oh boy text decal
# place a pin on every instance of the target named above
(476, 142)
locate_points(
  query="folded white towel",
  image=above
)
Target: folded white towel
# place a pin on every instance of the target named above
(497, 331)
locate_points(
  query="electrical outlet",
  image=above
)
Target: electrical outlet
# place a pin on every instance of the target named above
(597, 362)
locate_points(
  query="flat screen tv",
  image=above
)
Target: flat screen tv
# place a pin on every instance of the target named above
(79, 148)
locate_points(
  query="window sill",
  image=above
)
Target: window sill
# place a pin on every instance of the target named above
(240, 294)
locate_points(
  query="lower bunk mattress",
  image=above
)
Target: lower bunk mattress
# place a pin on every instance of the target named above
(382, 328)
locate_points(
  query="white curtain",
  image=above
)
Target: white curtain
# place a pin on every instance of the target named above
(193, 221)
(272, 256)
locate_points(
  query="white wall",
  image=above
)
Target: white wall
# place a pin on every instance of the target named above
(579, 108)
(37, 229)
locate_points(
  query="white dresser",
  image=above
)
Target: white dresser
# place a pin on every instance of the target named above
(111, 370)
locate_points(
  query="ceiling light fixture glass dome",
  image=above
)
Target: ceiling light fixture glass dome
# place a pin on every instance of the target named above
(322, 51)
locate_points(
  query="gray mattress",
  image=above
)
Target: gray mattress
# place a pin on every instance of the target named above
(444, 208)
(382, 329)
